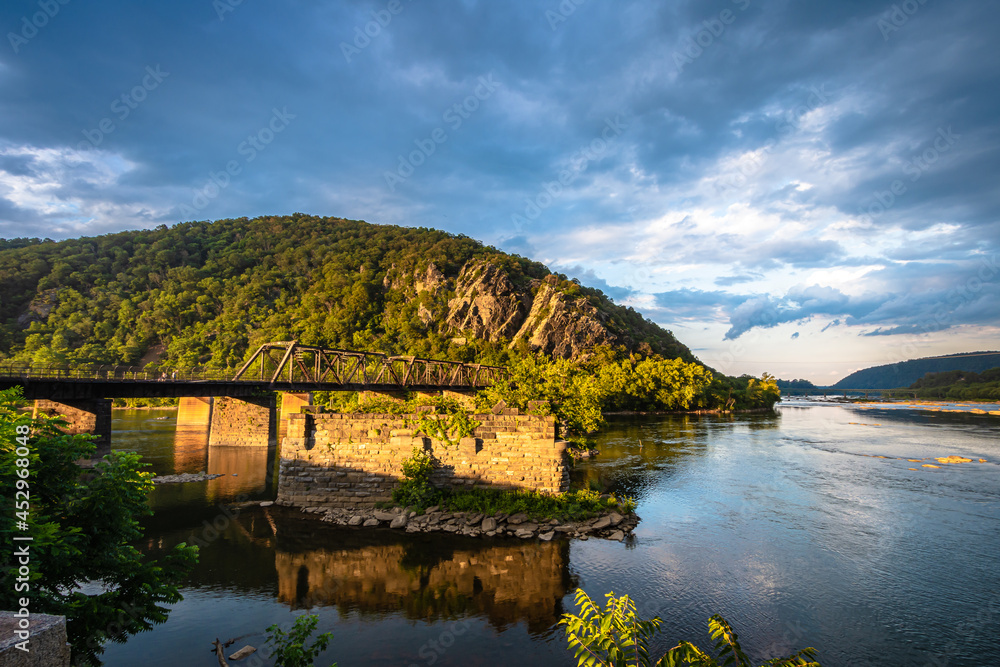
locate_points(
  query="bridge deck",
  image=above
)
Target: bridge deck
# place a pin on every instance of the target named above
(78, 388)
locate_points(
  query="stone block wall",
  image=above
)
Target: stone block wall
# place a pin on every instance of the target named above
(194, 411)
(46, 642)
(246, 422)
(91, 416)
(355, 460)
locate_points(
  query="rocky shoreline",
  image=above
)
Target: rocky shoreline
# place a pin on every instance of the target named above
(184, 477)
(611, 526)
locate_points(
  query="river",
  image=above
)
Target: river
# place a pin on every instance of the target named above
(806, 527)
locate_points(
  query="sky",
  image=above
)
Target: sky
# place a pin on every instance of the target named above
(801, 188)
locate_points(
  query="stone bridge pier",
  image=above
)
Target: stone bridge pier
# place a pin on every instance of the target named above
(194, 412)
(91, 416)
(244, 422)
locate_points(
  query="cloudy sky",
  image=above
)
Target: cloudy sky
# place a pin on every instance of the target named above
(804, 188)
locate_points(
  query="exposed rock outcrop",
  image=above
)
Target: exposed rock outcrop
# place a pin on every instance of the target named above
(39, 308)
(562, 326)
(430, 281)
(486, 303)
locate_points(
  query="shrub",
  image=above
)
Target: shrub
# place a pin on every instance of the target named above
(416, 489)
(615, 636)
(290, 648)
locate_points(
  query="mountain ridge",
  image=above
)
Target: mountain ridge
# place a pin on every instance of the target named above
(208, 293)
(905, 373)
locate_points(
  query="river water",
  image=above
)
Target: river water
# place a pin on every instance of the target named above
(808, 527)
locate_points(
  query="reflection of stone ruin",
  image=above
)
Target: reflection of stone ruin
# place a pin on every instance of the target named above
(505, 583)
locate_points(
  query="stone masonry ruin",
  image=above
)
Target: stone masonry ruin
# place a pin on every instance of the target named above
(355, 460)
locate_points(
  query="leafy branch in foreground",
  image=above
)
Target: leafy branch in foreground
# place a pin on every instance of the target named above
(615, 636)
(290, 648)
(83, 526)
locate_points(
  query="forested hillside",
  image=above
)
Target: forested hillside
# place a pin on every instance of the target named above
(960, 385)
(905, 373)
(206, 293)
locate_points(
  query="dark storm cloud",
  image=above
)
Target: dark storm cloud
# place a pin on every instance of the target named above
(893, 126)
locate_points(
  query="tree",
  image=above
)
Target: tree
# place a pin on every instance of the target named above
(82, 524)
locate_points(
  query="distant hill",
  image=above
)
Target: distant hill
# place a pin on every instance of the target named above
(798, 385)
(905, 373)
(960, 385)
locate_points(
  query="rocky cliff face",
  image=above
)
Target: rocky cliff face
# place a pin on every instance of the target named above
(562, 326)
(485, 304)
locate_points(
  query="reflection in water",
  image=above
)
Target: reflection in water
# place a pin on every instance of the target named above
(639, 453)
(806, 529)
(427, 578)
(247, 472)
(190, 449)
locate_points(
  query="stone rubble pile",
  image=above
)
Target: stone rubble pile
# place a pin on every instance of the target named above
(612, 526)
(183, 477)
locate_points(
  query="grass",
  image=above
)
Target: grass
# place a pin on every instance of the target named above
(572, 506)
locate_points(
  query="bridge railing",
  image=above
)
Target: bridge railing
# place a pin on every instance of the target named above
(111, 373)
(309, 367)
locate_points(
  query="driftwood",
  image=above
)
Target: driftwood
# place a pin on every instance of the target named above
(218, 653)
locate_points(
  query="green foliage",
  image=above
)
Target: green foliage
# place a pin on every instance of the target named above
(572, 506)
(201, 293)
(730, 652)
(83, 528)
(615, 636)
(572, 393)
(905, 373)
(289, 648)
(960, 385)
(145, 403)
(742, 393)
(652, 383)
(579, 393)
(449, 430)
(416, 489)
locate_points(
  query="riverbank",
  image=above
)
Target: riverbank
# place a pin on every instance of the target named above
(611, 525)
(654, 413)
(964, 407)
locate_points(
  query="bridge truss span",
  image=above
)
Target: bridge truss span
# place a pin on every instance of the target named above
(289, 363)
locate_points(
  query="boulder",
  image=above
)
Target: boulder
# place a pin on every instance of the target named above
(617, 535)
(546, 537)
(616, 518)
(517, 519)
(355, 520)
(370, 522)
(399, 521)
(384, 516)
(601, 523)
(489, 524)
